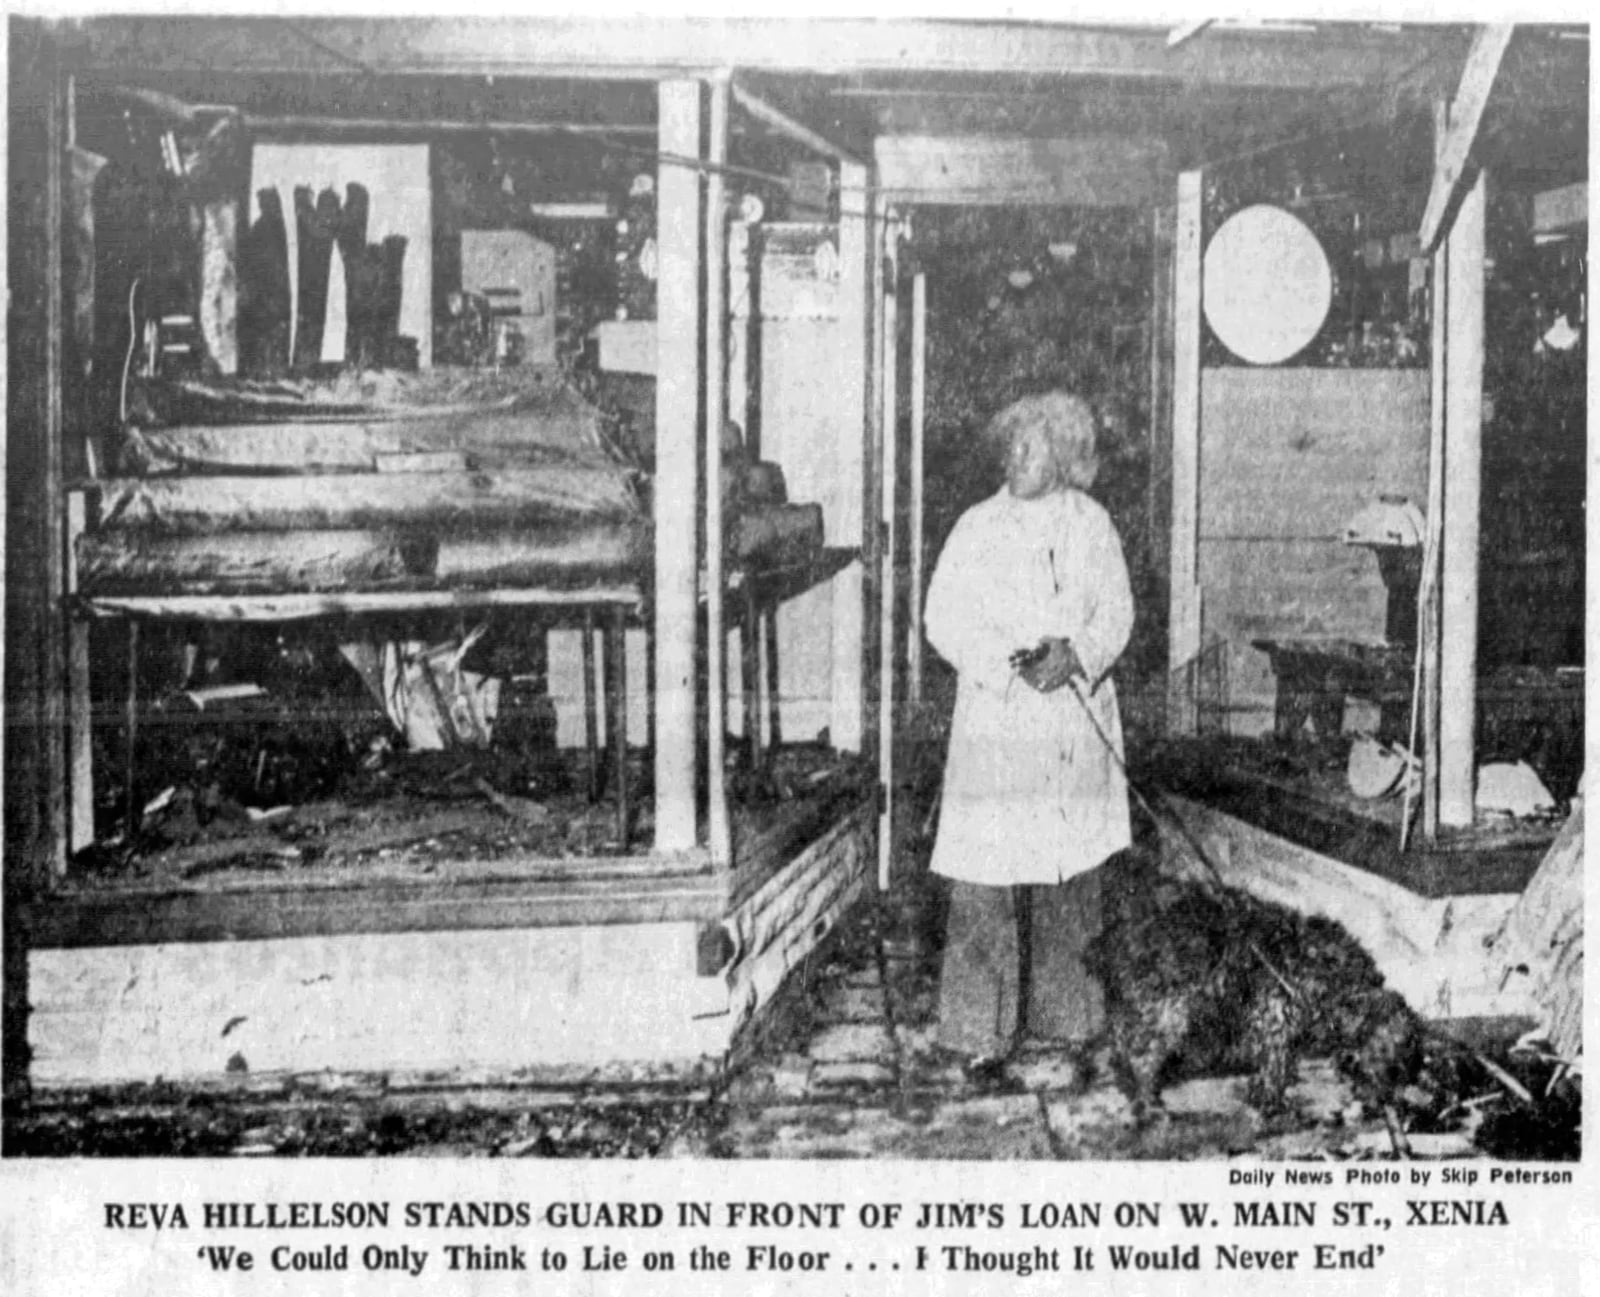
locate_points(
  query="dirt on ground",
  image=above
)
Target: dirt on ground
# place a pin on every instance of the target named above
(848, 1068)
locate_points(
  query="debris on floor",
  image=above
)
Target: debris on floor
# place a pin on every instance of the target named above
(852, 1072)
(851, 1068)
(256, 754)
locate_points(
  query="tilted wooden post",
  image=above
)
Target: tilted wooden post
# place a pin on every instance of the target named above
(1463, 467)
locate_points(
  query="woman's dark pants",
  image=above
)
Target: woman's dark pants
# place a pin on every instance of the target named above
(1013, 965)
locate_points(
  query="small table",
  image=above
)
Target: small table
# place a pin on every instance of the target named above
(1314, 676)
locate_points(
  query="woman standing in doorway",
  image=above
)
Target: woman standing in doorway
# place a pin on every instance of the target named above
(1030, 602)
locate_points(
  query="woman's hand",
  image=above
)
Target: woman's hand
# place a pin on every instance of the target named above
(1056, 667)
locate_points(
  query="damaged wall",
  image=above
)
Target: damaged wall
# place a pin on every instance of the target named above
(1288, 456)
(1539, 951)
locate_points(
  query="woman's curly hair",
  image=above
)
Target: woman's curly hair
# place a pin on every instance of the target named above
(1069, 423)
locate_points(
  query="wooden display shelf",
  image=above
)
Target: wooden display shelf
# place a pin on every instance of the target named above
(608, 608)
(1486, 860)
(353, 603)
(633, 890)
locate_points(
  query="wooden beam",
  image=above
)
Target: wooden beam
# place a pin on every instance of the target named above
(1186, 32)
(301, 124)
(663, 48)
(1183, 627)
(715, 331)
(776, 927)
(138, 919)
(1427, 678)
(1461, 864)
(616, 688)
(503, 438)
(852, 393)
(36, 651)
(304, 607)
(570, 557)
(678, 362)
(1543, 937)
(52, 578)
(888, 476)
(1463, 470)
(781, 122)
(80, 736)
(178, 110)
(1466, 113)
(872, 481)
(768, 652)
(35, 140)
(750, 672)
(130, 736)
(916, 540)
(450, 1003)
(591, 717)
(485, 498)
(795, 827)
(1158, 487)
(973, 170)
(1428, 610)
(1559, 210)
(165, 105)
(251, 562)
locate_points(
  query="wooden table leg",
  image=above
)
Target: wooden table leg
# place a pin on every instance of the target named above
(769, 623)
(650, 684)
(617, 716)
(80, 714)
(591, 722)
(130, 810)
(750, 676)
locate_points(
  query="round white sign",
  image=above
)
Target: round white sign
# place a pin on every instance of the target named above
(1268, 285)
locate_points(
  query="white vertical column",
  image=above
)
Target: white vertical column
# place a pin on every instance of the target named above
(886, 580)
(1458, 637)
(716, 371)
(677, 461)
(872, 502)
(1428, 612)
(849, 609)
(916, 539)
(1183, 629)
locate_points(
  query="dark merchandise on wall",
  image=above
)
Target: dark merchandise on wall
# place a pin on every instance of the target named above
(1535, 445)
(1363, 203)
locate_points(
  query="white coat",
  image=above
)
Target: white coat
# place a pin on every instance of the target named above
(1031, 795)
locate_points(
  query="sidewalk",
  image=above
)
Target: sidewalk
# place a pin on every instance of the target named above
(857, 1075)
